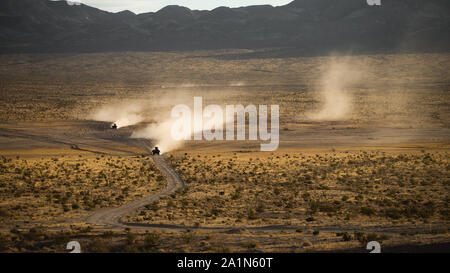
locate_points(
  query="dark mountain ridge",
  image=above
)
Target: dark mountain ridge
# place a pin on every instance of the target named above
(310, 25)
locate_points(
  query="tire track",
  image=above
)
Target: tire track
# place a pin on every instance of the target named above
(111, 217)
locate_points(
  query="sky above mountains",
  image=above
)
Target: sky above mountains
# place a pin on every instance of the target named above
(141, 6)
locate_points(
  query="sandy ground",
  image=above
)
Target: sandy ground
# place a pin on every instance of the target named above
(397, 110)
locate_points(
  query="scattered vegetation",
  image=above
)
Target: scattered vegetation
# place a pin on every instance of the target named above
(71, 186)
(301, 189)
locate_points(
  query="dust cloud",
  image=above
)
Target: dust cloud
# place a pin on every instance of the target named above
(160, 133)
(154, 120)
(122, 115)
(170, 133)
(334, 95)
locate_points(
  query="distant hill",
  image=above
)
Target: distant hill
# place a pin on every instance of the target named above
(310, 25)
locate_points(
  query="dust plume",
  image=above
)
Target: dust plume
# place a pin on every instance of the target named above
(170, 133)
(160, 133)
(122, 115)
(154, 109)
(334, 95)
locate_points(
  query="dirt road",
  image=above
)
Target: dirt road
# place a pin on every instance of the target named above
(96, 136)
(111, 217)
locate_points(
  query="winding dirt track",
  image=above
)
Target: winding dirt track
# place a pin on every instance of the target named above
(111, 217)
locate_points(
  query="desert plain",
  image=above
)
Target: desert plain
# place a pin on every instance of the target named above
(363, 153)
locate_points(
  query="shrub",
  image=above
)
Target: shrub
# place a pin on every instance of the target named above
(98, 246)
(368, 211)
(3, 243)
(393, 213)
(250, 245)
(365, 238)
(4, 212)
(251, 215)
(34, 234)
(153, 206)
(131, 237)
(152, 239)
(108, 234)
(345, 236)
(260, 208)
(188, 236)
(324, 207)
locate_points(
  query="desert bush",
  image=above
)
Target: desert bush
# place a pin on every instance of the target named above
(108, 234)
(393, 213)
(97, 246)
(34, 234)
(365, 238)
(250, 245)
(345, 236)
(368, 211)
(152, 239)
(251, 215)
(188, 236)
(130, 237)
(315, 206)
(260, 208)
(4, 242)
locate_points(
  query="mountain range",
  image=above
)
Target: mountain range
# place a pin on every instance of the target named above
(310, 25)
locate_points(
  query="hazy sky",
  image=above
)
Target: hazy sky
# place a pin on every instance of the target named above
(140, 6)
